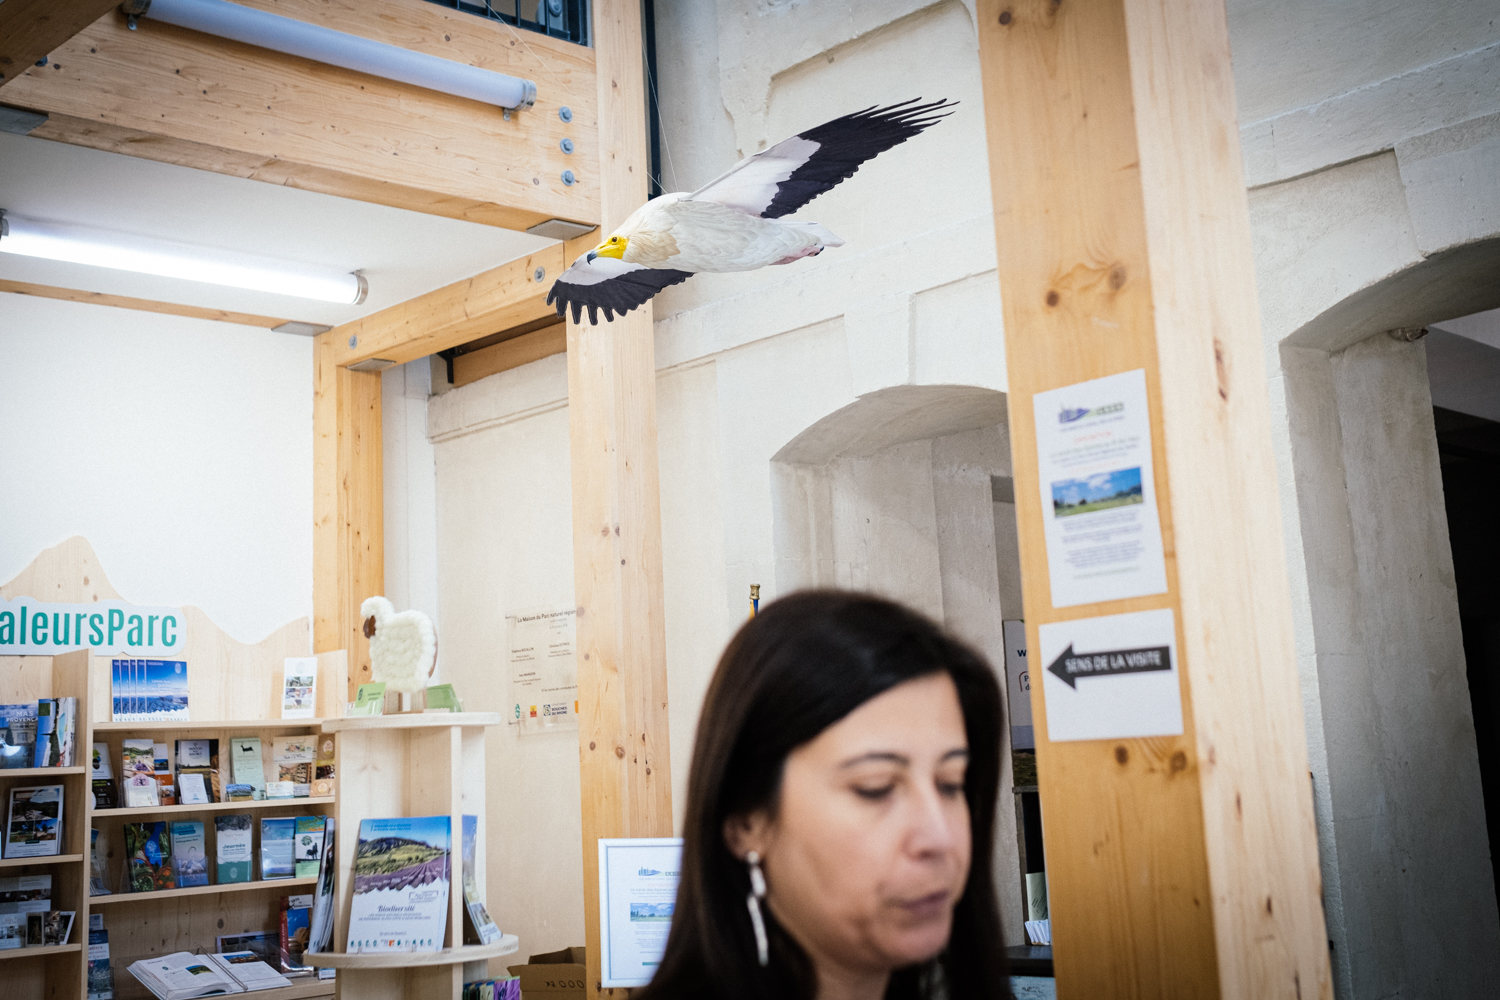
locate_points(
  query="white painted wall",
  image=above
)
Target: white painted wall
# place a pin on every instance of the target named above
(410, 470)
(181, 448)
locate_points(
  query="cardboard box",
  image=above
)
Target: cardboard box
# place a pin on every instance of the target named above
(555, 975)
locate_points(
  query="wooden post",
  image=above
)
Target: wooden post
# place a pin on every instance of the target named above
(625, 779)
(1178, 865)
(348, 506)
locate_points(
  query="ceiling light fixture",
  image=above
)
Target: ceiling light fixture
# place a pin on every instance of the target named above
(147, 255)
(337, 48)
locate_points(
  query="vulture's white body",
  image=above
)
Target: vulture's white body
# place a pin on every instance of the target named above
(403, 648)
(679, 232)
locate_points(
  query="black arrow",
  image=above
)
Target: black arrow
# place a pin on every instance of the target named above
(1070, 666)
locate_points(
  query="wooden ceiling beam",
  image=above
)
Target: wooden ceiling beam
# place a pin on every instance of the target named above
(141, 305)
(493, 301)
(33, 29)
(178, 96)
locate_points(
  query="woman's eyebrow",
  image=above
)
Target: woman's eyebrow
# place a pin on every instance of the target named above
(887, 756)
(956, 752)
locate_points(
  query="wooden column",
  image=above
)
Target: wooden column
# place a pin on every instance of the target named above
(348, 506)
(1179, 866)
(626, 781)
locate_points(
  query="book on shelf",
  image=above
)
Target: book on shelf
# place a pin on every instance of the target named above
(138, 771)
(50, 929)
(18, 735)
(245, 762)
(296, 932)
(401, 873)
(233, 849)
(182, 976)
(148, 857)
(292, 757)
(248, 971)
(276, 860)
(479, 928)
(266, 945)
(320, 937)
(307, 845)
(189, 853)
(26, 894)
(149, 690)
(101, 978)
(299, 687)
(324, 777)
(34, 825)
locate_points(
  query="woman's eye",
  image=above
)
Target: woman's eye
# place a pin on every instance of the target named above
(874, 794)
(949, 789)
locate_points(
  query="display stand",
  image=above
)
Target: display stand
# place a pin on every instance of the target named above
(411, 765)
(147, 924)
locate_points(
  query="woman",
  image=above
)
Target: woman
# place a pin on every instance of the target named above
(840, 814)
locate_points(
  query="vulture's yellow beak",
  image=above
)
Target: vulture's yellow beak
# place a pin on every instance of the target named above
(612, 247)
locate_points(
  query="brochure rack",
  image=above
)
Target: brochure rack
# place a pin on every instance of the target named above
(145, 924)
(428, 764)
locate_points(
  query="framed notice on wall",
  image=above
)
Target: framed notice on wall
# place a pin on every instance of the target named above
(637, 894)
(542, 669)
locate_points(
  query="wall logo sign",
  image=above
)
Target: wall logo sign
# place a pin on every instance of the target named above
(42, 628)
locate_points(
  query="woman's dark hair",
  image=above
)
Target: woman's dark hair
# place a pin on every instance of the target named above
(803, 664)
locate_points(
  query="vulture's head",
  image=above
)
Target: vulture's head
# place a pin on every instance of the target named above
(612, 247)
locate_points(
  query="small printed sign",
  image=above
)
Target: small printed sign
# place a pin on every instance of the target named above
(1111, 677)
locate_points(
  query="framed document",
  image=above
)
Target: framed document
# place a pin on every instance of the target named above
(637, 893)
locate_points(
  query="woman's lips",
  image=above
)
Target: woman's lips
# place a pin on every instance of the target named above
(927, 907)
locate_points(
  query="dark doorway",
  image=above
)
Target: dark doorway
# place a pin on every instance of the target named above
(1469, 449)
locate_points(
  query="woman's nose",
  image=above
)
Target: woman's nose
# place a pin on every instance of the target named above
(932, 823)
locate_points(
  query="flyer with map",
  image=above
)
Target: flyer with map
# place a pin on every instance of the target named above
(401, 875)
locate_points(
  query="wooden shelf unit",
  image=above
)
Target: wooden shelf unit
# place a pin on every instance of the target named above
(428, 764)
(147, 924)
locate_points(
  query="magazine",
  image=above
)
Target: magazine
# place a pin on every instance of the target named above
(189, 854)
(401, 874)
(148, 856)
(34, 827)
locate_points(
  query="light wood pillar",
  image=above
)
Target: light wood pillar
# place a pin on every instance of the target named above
(1179, 866)
(626, 781)
(348, 506)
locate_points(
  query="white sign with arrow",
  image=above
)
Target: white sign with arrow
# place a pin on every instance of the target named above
(1111, 677)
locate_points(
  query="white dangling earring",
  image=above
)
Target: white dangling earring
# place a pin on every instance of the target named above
(757, 893)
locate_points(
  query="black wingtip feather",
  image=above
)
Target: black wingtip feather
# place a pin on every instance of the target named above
(617, 296)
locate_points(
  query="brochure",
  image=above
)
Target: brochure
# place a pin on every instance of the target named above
(189, 854)
(293, 757)
(307, 845)
(148, 856)
(34, 827)
(276, 847)
(26, 894)
(49, 929)
(401, 874)
(296, 931)
(101, 983)
(139, 773)
(150, 690)
(201, 758)
(244, 756)
(98, 864)
(18, 732)
(369, 699)
(324, 783)
(299, 687)
(479, 926)
(321, 936)
(12, 930)
(193, 791)
(234, 837)
(265, 944)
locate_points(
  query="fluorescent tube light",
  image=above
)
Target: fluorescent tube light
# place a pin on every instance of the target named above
(146, 255)
(338, 48)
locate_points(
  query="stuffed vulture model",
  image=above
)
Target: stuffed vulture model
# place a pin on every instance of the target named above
(734, 222)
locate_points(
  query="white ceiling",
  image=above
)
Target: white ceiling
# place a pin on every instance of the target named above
(401, 253)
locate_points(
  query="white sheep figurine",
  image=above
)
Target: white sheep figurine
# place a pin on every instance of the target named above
(403, 647)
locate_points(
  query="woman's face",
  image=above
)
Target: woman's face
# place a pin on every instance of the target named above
(869, 847)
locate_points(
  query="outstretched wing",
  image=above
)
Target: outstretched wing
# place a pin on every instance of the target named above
(610, 284)
(780, 180)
